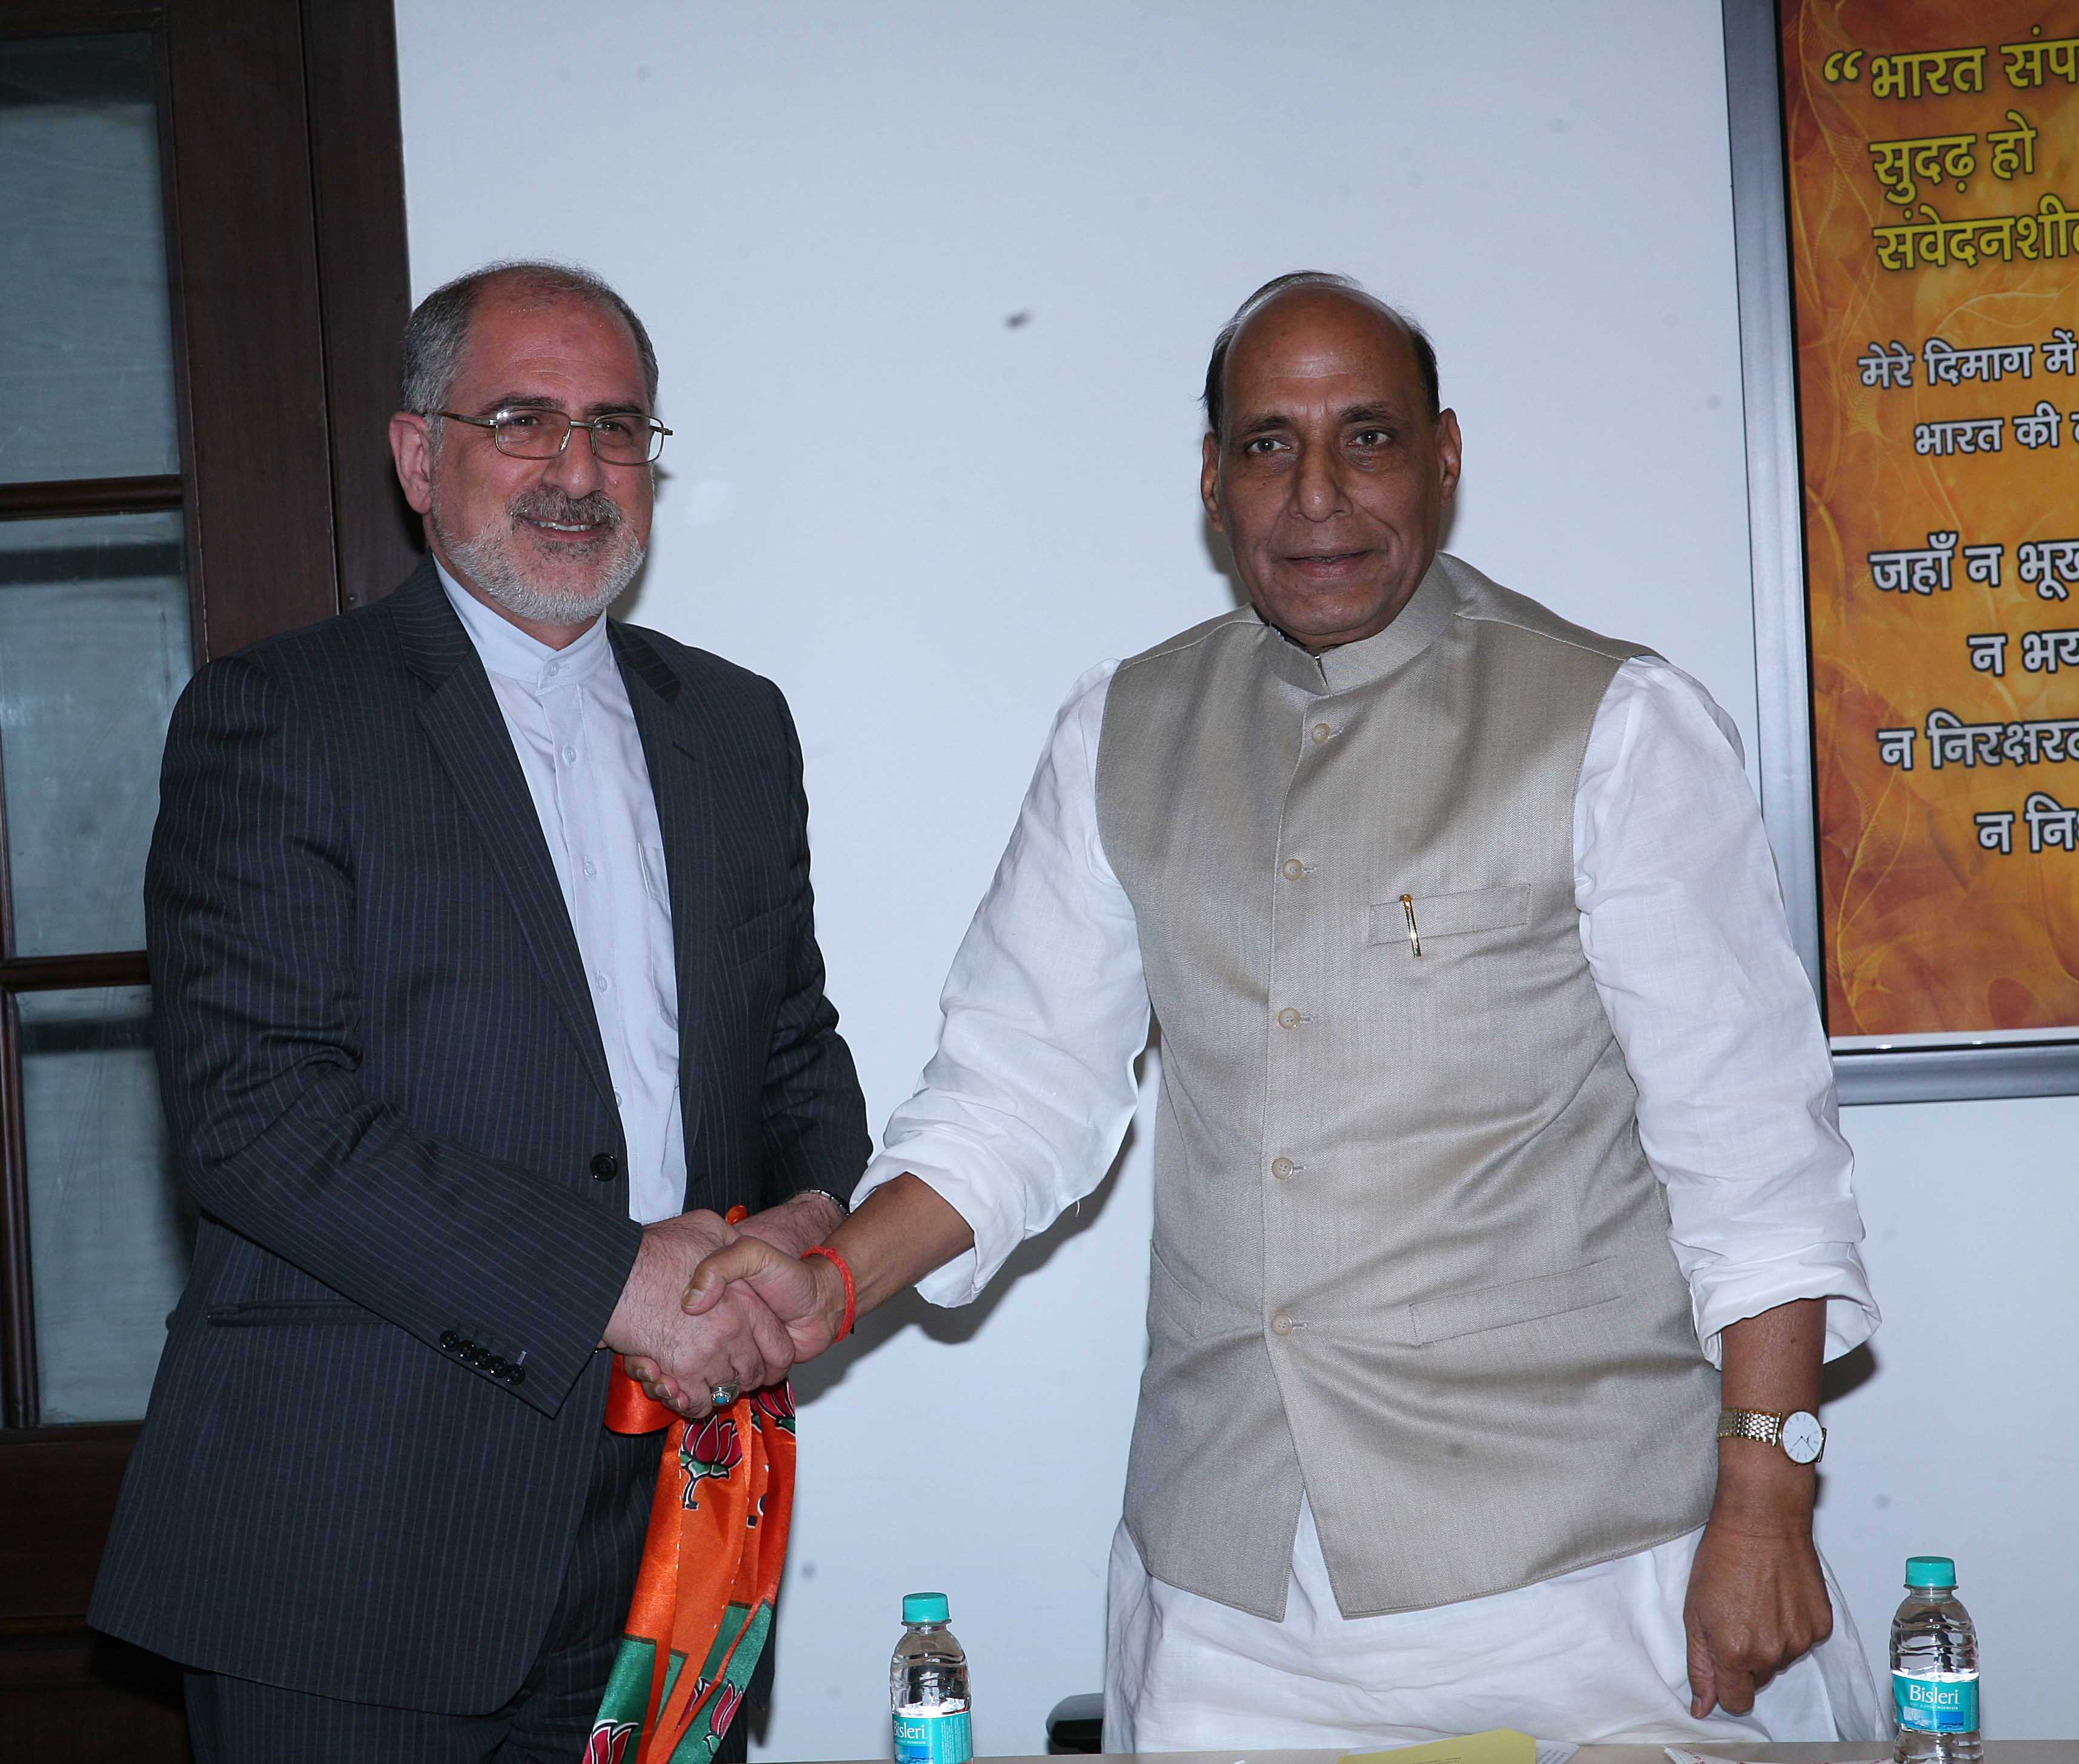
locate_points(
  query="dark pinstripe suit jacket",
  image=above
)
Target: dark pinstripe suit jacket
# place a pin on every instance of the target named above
(385, 1084)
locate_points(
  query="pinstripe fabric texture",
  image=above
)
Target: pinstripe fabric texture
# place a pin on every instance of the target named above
(385, 1084)
(241, 1721)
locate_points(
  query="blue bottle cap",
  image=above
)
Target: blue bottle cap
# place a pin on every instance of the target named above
(1929, 1571)
(924, 1607)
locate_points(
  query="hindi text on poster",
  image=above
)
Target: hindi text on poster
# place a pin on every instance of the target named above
(1933, 156)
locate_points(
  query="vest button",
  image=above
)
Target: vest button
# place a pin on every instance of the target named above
(1288, 1018)
(1282, 1169)
(1292, 869)
(1283, 1325)
(606, 1166)
(1321, 732)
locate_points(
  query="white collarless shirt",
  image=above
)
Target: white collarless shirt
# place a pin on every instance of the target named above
(574, 732)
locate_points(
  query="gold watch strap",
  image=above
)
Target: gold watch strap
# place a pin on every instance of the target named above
(1758, 1424)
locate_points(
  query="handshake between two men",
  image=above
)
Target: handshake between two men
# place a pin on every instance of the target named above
(709, 1305)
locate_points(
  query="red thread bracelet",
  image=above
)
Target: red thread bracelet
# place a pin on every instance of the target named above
(851, 1294)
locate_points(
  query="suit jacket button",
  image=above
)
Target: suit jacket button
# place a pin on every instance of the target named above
(516, 1374)
(606, 1166)
(449, 1341)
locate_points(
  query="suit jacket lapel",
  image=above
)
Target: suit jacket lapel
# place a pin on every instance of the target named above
(669, 722)
(468, 733)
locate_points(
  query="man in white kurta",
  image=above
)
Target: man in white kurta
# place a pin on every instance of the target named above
(1458, 1219)
(1023, 1108)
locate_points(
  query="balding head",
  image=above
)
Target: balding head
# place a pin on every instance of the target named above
(438, 329)
(1297, 285)
(1328, 466)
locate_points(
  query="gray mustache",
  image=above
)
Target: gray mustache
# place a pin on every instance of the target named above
(547, 504)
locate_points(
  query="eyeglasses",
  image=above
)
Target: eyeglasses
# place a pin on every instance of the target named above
(620, 438)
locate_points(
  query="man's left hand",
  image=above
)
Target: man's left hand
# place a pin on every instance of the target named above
(1757, 1601)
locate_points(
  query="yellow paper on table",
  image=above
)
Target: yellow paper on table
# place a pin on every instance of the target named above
(1498, 1745)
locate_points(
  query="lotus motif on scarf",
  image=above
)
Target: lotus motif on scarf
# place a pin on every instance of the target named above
(775, 1402)
(609, 1742)
(713, 1448)
(723, 1711)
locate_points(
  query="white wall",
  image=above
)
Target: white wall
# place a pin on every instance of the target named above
(924, 520)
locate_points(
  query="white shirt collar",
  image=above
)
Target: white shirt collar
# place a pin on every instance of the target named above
(506, 650)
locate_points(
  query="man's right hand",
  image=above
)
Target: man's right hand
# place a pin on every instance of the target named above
(736, 1341)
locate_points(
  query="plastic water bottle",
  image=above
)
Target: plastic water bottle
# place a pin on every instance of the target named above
(927, 1687)
(1935, 1669)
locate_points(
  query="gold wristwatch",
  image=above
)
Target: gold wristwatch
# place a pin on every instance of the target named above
(1798, 1433)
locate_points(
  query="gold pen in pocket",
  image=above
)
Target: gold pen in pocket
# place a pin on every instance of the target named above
(1414, 930)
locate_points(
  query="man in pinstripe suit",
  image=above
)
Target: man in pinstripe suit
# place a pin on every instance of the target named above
(487, 983)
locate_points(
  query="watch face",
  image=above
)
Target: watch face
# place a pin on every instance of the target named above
(1803, 1438)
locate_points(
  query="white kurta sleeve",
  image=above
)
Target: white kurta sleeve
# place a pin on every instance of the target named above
(1022, 1108)
(1682, 920)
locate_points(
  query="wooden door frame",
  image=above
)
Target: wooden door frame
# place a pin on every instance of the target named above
(282, 171)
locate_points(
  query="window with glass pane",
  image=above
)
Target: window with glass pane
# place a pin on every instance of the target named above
(93, 650)
(108, 1238)
(85, 343)
(95, 645)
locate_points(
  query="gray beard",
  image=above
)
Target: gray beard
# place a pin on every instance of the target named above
(493, 562)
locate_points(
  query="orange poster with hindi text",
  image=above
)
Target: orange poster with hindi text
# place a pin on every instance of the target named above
(1932, 150)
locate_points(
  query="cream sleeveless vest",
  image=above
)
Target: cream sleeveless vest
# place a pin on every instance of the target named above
(1408, 1256)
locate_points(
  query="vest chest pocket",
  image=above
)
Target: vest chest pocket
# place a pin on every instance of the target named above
(1449, 915)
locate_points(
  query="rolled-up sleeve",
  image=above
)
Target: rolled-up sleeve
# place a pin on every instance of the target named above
(1023, 1107)
(1683, 923)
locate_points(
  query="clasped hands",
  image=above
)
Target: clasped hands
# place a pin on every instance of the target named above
(708, 1303)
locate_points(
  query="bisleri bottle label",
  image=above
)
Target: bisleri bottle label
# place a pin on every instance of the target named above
(1943, 1705)
(933, 1739)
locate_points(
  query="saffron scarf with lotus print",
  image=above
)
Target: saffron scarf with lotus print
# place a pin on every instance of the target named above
(711, 1562)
